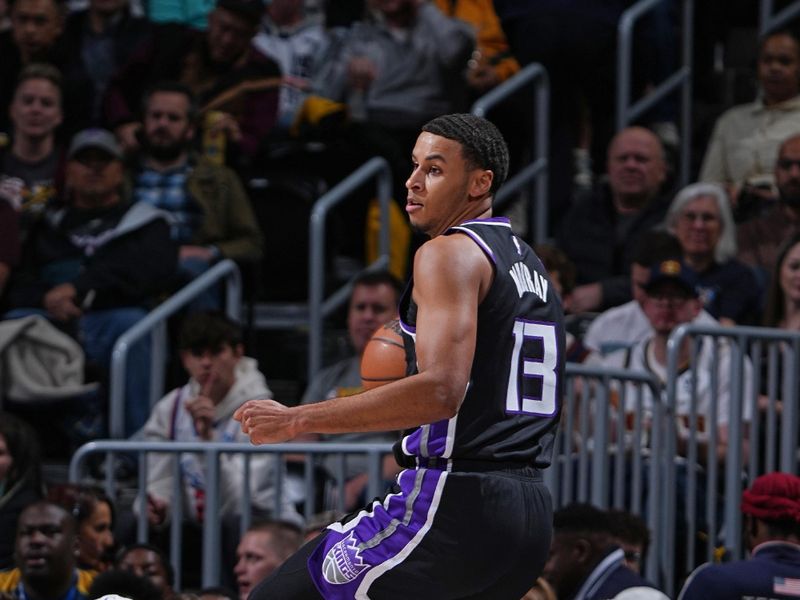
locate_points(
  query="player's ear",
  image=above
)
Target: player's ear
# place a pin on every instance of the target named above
(481, 183)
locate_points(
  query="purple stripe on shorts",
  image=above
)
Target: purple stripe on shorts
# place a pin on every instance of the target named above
(349, 552)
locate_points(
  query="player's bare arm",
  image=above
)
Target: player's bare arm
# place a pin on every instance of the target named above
(451, 278)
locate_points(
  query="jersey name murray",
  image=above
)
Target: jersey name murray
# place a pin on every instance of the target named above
(527, 281)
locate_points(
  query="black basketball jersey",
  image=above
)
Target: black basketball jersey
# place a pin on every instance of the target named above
(513, 400)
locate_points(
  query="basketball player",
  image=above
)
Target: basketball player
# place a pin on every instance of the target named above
(470, 517)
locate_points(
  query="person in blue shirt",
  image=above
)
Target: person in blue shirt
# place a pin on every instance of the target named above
(771, 509)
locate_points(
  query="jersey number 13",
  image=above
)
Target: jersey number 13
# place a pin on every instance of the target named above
(543, 367)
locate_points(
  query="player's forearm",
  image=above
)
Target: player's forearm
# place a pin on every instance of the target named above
(416, 400)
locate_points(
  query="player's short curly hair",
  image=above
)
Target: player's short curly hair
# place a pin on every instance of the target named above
(482, 143)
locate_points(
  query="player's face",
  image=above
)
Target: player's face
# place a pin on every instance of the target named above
(36, 108)
(699, 226)
(219, 363)
(779, 68)
(255, 561)
(790, 275)
(370, 307)
(438, 185)
(668, 305)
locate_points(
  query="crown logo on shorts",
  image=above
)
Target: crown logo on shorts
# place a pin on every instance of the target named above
(343, 562)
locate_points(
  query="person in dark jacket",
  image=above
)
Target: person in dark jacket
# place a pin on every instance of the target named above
(771, 509)
(601, 229)
(585, 563)
(96, 264)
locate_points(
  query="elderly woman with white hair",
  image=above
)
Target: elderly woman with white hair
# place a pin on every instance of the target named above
(700, 217)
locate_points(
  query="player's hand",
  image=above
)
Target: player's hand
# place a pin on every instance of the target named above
(156, 510)
(60, 302)
(267, 421)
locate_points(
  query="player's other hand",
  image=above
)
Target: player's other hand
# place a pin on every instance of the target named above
(266, 421)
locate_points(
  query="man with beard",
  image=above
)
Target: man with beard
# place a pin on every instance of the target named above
(600, 231)
(45, 551)
(759, 238)
(211, 214)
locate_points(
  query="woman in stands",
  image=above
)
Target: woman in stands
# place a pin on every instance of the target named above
(20, 479)
(700, 217)
(94, 513)
(783, 298)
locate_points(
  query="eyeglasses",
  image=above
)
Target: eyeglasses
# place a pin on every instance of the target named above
(670, 300)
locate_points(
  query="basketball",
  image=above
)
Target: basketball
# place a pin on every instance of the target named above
(384, 358)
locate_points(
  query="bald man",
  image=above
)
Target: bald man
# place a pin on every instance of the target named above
(603, 225)
(771, 509)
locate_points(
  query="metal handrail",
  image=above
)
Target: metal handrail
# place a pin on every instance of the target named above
(211, 552)
(154, 324)
(319, 308)
(625, 112)
(770, 22)
(534, 74)
(740, 338)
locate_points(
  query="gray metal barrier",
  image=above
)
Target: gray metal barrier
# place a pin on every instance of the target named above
(606, 451)
(375, 168)
(534, 74)
(731, 368)
(154, 325)
(682, 78)
(769, 21)
(211, 452)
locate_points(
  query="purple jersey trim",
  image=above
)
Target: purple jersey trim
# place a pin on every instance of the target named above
(412, 331)
(504, 221)
(356, 553)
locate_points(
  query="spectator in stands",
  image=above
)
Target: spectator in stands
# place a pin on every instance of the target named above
(44, 554)
(264, 547)
(671, 299)
(771, 509)
(30, 166)
(742, 150)
(97, 42)
(94, 265)
(36, 27)
(760, 237)
(93, 512)
(148, 561)
(584, 561)
(221, 378)
(232, 81)
(492, 61)
(20, 479)
(400, 67)
(373, 302)
(210, 211)
(700, 217)
(630, 533)
(625, 325)
(217, 593)
(294, 40)
(783, 298)
(601, 229)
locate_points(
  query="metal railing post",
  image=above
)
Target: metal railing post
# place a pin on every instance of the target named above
(625, 111)
(533, 74)
(770, 22)
(375, 168)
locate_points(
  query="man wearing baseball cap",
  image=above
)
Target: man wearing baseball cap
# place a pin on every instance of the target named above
(771, 509)
(94, 263)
